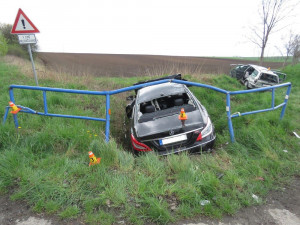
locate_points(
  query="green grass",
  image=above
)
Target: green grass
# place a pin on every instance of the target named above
(45, 162)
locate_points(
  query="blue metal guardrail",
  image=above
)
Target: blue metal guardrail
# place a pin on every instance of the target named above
(109, 93)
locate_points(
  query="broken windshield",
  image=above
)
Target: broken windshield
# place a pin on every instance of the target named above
(161, 90)
(165, 106)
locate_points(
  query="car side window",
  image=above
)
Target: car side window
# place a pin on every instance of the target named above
(263, 77)
(268, 78)
(243, 68)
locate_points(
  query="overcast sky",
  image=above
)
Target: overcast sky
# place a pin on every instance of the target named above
(159, 27)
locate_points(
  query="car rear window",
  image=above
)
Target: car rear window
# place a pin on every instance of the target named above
(165, 106)
(167, 112)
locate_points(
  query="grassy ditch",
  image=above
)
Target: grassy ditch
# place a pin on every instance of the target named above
(45, 162)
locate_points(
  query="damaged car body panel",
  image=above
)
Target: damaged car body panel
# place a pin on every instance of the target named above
(253, 76)
(154, 122)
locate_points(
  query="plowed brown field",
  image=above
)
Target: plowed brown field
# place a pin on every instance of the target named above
(111, 65)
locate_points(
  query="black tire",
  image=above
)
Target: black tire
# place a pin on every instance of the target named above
(247, 84)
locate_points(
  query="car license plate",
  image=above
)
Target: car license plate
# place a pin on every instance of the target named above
(170, 140)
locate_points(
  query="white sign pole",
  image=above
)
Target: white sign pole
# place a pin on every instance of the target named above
(32, 63)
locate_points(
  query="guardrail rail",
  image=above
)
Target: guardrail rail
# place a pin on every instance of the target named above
(107, 94)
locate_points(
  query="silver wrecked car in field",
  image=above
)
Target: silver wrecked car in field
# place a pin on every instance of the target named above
(253, 76)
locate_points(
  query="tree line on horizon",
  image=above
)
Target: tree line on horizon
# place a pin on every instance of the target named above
(9, 43)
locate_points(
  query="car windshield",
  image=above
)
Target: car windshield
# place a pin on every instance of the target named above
(165, 106)
(254, 73)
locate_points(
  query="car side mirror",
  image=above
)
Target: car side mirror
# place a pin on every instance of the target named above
(130, 98)
(129, 111)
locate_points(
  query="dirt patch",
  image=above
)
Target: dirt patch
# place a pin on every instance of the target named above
(19, 213)
(282, 207)
(114, 65)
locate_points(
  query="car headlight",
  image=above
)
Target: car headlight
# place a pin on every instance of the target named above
(208, 129)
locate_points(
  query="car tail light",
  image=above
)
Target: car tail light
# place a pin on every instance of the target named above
(199, 138)
(139, 146)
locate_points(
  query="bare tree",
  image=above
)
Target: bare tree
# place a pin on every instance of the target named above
(296, 49)
(286, 50)
(271, 14)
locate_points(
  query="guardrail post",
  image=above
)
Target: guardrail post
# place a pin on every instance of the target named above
(11, 96)
(45, 102)
(273, 98)
(5, 114)
(285, 101)
(229, 117)
(107, 118)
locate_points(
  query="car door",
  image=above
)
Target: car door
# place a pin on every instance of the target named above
(266, 80)
(240, 72)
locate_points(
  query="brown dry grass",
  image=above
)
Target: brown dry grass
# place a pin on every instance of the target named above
(71, 75)
(116, 65)
(45, 73)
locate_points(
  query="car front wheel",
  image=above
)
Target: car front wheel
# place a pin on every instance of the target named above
(247, 84)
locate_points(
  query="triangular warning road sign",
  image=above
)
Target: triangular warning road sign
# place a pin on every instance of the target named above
(23, 25)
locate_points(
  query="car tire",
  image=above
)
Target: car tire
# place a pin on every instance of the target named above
(247, 84)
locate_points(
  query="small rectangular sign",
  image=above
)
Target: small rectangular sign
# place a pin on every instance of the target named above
(169, 140)
(27, 39)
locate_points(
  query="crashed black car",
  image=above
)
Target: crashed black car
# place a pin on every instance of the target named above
(155, 125)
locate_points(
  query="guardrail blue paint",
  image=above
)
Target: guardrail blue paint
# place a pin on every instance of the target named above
(257, 111)
(5, 114)
(45, 102)
(288, 91)
(74, 91)
(107, 125)
(11, 96)
(273, 98)
(107, 94)
(65, 116)
(229, 117)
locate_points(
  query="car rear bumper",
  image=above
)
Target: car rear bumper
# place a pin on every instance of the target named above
(203, 145)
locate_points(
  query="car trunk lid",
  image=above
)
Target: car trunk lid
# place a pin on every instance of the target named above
(166, 126)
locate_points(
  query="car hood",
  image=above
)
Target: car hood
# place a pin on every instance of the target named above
(169, 125)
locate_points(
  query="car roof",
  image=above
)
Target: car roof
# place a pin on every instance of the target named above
(160, 90)
(263, 69)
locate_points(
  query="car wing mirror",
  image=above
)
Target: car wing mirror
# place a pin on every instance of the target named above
(130, 98)
(129, 111)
